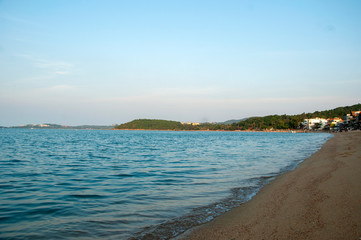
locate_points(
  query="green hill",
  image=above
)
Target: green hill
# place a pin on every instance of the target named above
(152, 124)
(253, 123)
(292, 121)
(337, 112)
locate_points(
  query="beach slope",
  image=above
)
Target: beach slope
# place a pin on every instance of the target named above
(320, 199)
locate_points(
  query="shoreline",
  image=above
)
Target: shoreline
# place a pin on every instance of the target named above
(320, 199)
(262, 131)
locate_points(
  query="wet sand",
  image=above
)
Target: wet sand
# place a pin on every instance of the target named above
(320, 199)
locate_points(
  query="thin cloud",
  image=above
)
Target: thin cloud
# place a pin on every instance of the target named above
(45, 63)
(51, 66)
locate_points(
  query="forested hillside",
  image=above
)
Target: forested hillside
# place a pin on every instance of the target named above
(292, 121)
(151, 124)
(254, 123)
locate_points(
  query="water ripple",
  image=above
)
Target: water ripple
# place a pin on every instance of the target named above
(65, 184)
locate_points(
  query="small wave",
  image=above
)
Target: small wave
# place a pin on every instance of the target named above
(169, 181)
(16, 160)
(109, 222)
(86, 196)
(27, 174)
(43, 211)
(6, 186)
(197, 216)
(121, 202)
(124, 175)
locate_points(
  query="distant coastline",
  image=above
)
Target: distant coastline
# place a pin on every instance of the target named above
(270, 131)
(338, 119)
(57, 126)
(335, 120)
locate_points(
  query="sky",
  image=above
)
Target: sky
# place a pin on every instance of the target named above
(77, 62)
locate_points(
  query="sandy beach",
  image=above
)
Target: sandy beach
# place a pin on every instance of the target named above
(320, 199)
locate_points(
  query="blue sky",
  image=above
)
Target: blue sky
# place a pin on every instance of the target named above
(105, 62)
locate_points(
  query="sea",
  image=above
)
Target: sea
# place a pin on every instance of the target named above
(105, 184)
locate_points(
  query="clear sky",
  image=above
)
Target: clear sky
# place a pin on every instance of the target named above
(103, 62)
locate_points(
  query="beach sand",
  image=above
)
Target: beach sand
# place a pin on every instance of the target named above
(320, 199)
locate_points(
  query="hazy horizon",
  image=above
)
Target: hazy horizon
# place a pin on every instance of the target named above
(106, 62)
(114, 124)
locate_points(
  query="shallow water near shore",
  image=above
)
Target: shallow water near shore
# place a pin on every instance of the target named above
(66, 184)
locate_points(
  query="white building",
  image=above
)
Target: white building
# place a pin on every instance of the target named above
(312, 122)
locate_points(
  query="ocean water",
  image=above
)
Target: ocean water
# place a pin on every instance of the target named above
(67, 184)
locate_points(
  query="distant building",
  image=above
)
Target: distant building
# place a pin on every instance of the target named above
(337, 120)
(313, 123)
(190, 123)
(347, 118)
(352, 120)
(355, 113)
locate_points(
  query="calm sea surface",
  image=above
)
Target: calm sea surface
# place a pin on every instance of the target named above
(67, 184)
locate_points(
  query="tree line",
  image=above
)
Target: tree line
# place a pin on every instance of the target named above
(275, 122)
